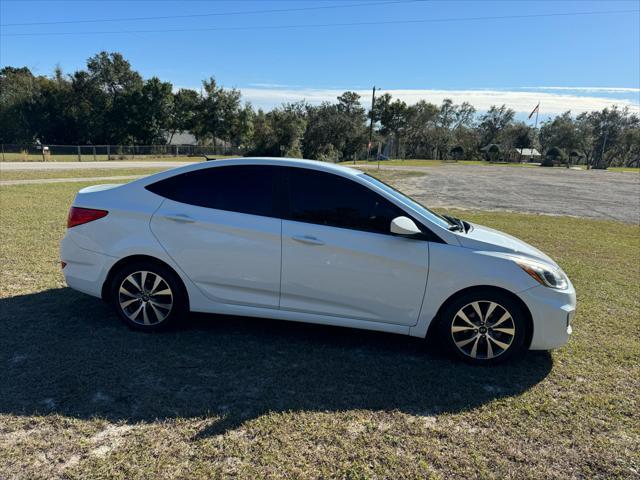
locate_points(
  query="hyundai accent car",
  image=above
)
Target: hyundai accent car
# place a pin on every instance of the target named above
(311, 242)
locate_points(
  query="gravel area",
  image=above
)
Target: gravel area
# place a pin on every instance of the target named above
(551, 191)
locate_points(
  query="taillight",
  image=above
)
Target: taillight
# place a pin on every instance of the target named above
(78, 216)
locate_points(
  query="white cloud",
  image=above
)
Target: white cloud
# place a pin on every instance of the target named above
(588, 89)
(521, 101)
(271, 85)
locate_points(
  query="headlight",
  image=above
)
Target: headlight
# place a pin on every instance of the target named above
(544, 274)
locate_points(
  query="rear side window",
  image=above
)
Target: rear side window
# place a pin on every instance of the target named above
(241, 188)
(327, 199)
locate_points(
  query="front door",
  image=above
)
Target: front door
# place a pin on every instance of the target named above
(339, 257)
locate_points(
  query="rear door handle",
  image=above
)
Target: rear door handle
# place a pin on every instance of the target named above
(179, 217)
(308, 239)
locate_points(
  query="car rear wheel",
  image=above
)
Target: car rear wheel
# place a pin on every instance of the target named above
(484, 328)
(148, 296)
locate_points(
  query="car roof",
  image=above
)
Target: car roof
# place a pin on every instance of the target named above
(285, 162)
(277, 161)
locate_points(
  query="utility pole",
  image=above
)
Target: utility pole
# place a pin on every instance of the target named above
(373, 104)
(604, 144)
(535, 130)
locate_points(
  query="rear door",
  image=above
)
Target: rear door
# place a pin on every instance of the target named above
(339, 257)
(221, 227)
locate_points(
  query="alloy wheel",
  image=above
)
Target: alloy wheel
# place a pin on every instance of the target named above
(483, 330)
(145, 298)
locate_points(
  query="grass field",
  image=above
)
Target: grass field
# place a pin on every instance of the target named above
(81, 396)
(625, 169)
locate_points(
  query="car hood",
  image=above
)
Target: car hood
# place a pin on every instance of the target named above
(488, 239)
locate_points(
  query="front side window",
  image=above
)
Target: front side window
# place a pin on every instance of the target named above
(327, 199)
(431, 215)
(240, 188)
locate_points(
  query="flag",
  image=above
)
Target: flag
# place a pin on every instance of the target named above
(534, 110)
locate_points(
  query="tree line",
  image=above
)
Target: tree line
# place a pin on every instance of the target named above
(109, 102)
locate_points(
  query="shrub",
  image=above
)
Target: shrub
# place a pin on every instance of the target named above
(553, 156)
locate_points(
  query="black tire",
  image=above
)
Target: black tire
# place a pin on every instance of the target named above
(144, 307)
(484, 344)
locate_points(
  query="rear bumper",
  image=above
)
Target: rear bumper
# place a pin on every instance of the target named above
(85, 270)
(552, 312)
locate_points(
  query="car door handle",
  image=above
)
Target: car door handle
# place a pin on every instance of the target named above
(179, 217)
(308, 239)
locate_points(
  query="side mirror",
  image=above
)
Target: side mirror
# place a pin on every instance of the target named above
(404, 226)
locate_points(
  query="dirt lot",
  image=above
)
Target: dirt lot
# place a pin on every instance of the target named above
(557, 191)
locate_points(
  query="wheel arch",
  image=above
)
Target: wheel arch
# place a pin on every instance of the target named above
(433, 326)
(116, 267)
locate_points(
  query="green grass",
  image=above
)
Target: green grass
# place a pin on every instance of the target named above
(77, 173)
(81, 396)
(625, 169)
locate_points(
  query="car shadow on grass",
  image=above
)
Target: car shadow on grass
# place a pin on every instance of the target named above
(62, 352)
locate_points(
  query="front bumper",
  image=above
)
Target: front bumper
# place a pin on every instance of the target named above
(552, 312)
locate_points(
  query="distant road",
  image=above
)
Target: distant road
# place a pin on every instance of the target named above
(12, 166)
(35, 181)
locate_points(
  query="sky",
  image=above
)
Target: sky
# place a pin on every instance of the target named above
(514, 52)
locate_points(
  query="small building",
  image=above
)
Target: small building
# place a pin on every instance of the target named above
(183, 138)
(528, 154)
(495, 153)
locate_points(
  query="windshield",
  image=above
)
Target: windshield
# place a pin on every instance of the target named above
(424, 211)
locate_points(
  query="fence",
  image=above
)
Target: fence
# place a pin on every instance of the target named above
(89, 153)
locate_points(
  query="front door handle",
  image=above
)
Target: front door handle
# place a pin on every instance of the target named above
(179, 217)
(308, 239)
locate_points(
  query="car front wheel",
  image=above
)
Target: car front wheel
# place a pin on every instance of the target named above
(484, 328)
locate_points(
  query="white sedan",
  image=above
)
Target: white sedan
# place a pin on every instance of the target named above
(313, 242)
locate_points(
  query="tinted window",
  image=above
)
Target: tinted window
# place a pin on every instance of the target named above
(242, 188)
(327, 199)
(434, 217)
